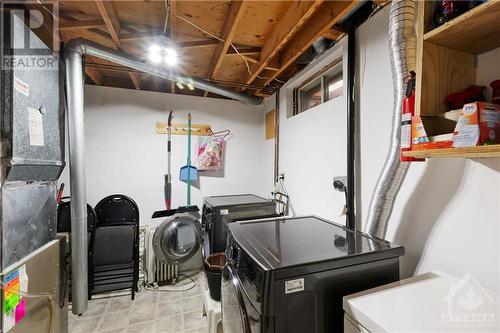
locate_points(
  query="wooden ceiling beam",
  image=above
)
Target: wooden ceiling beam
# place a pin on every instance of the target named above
(246, 50)
(95, 75)
(112, 22)
(294, 18)
(333, 34)
(233, 17)
(81, 24)
(320, 22)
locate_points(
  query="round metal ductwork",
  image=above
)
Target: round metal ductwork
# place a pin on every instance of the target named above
(177, 239)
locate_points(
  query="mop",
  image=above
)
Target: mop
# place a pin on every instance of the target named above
(187, 173)
(168, 177)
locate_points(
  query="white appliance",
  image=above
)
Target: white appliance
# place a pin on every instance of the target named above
(431, 302)
(156, 272)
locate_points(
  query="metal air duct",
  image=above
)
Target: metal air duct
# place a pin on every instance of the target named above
(74, 52)
(402, 45)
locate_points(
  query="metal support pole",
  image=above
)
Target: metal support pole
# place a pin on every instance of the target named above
(76, 141)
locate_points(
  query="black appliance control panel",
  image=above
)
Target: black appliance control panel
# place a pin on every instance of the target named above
(250, 274)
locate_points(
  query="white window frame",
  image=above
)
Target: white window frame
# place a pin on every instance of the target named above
(338, 52)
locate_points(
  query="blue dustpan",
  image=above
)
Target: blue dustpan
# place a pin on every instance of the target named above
(183, 174)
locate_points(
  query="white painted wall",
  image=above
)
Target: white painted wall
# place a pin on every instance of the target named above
(447, 213)
(313, 146)
(125, 155)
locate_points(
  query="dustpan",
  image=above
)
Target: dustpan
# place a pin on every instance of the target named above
(188, 173)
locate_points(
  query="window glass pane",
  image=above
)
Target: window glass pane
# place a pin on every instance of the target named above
(311, 95)
(335, 86)
(326, 85)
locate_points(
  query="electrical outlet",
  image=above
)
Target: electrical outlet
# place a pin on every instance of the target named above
(340, 183)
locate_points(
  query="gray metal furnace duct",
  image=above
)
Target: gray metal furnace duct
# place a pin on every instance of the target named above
(74, 52)
(84, 47)
(402, 45)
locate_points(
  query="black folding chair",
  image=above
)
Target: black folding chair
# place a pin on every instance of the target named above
(114, 258)
(64, 226)
(116, 210)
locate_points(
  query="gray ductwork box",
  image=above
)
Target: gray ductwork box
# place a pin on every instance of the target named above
(32, 140)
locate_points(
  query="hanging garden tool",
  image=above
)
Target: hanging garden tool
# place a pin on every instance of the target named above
(168, 177)
(188, 172)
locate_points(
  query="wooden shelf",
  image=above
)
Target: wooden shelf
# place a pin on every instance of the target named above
(476, 31)
(466, 152)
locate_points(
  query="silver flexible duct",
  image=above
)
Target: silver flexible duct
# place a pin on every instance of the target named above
(74, 52)
(403, 47)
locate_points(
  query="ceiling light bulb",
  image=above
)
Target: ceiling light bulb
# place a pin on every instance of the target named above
(171, 57)
(179, 85)
(190, 86)
(154, 53)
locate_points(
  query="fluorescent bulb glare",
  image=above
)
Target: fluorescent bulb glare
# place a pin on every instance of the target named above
(171, 57)
(179, 85)
(154, 54)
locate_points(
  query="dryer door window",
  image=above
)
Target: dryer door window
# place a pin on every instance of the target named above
(177, 239)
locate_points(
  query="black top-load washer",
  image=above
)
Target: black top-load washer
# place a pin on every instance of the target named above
(232, 208)
(290, 274)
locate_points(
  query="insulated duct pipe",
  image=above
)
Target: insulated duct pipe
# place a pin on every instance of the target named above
(402, 46)
(84, 47)
(74, 52)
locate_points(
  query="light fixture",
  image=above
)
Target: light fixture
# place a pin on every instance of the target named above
(170, 57)
(179, 85)
(154, 53)
(190, 84)
(163, 51)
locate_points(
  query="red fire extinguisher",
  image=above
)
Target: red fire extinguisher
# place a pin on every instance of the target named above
(406, 117)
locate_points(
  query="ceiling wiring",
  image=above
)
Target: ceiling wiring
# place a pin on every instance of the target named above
(167, 15)
(231, 44)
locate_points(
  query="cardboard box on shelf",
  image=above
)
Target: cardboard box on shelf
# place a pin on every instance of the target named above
(478, 124)
(420, 139)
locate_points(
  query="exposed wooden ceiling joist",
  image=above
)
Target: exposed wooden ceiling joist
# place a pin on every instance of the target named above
(329, 13)
(333, 34)
(112, 22)
(236, 9)
(296, 15)
(242, 49)
(81, 24)
(270, 36)
(95, 75)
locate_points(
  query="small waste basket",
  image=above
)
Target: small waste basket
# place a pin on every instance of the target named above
(213, 269)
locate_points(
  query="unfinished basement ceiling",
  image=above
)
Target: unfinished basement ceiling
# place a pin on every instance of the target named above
(269, 37)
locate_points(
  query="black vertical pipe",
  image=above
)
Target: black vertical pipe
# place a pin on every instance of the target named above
(277, 137)
(351, 126)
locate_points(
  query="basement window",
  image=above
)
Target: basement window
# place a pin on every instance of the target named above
(324, 86)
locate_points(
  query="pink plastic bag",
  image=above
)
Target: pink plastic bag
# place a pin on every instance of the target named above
(211, 153)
